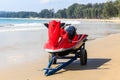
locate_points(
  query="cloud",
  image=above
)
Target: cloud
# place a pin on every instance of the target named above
(44, 1)
(48, 1)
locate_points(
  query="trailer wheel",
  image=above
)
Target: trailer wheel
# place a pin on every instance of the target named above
(83, 57)
(54, 60)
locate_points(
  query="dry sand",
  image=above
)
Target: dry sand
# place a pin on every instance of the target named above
(103, 64)
(114, 20)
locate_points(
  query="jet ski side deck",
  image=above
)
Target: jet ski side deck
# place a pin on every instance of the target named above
(81, 40)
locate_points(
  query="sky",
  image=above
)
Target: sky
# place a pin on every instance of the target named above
(38, 5)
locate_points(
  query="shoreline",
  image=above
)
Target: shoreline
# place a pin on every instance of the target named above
(114, 20)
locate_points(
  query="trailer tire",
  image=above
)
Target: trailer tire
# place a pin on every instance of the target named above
(83, 57)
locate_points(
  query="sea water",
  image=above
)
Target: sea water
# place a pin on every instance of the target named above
(22, 40)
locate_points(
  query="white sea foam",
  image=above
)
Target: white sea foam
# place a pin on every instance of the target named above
(71, 22)
(28, 24)
(22, 27)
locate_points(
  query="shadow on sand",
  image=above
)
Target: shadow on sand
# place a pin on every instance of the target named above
(92, 63)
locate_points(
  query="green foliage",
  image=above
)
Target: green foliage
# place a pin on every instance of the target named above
(61, 14)
(97, 10)
(117, 4)
(110, 10)
(71, 10)
(45, 13)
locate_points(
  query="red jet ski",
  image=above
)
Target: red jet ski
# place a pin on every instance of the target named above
(62, 41)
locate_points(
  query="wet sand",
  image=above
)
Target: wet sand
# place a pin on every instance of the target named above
(103, 64)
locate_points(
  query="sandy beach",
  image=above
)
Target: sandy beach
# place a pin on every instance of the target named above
(103, 64)
(114, 20)
(22, 56)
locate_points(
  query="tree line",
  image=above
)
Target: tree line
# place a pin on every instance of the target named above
(97, 10)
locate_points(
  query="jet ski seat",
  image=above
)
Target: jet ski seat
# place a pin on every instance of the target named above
(71, 30)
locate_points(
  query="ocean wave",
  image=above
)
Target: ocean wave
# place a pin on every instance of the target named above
(21, 27)
(21, 24)
(5, 25)
(28, 24)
